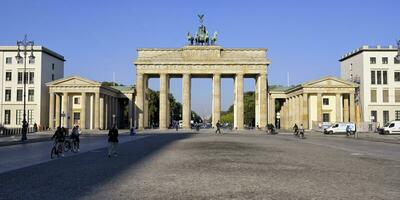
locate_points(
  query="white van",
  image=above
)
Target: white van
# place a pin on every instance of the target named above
(392, 127)
(340, 128)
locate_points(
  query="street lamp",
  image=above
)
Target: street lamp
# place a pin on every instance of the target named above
(25, 44)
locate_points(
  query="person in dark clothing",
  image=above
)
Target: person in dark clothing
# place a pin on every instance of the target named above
(296, 129)
(112, 141)
(59, 137)
(75, 134)
(218, 125)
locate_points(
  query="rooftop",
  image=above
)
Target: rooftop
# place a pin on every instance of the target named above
(367, 48)
(35, 48)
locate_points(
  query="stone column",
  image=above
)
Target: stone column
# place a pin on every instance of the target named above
(106, 112)
(285, 120)
(146, 100)
(289, 112)
(345, 108)
(263, 100)
(300, 114)
(65, 109)
(186, 107)
(168, 104)
(163, 101)
(239, 118)
(352, 108)
(58, 103)
(216, 101)
(306, 122)
(257, 101)
(130, 111)
(319, 108)
(102, 112)
(83, 111)
(272, 112)
(338, 110)
(109, 117)
(97, 110)
(139, 101)
(51, 111)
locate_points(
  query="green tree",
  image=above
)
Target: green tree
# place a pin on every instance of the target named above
(106, 83)
(249, 110)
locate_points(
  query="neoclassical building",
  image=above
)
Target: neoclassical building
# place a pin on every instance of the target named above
(212, 62)
(76, 100)
(326, 100)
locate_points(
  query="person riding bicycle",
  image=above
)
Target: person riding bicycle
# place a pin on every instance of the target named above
(301, 130)
(296, 129)
(75, 134)
(59, 137)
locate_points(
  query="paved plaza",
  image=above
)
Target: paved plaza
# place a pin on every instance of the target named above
(245, 165)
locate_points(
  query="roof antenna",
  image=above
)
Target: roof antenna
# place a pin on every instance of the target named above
(113, 78)
(288, 79)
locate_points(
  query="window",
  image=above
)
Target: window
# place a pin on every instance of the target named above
(77, 100)
(385, 116)
(373, 77)
(396, 61)
(325, 117)
(52, 66)
(325, 101)
(31, 94)
(19, 95)
(397, 76)
(18, 117)
(31, 60)
(31, 77)
(397, 114)
(384, 75)
(7, 116)
(397, 95)
(8, 95)
(384, 60)
(20, 60)
(373, 96)
(8, 76)
(385, 95)
(378, 77)
(8, 60)
(372, 60)
(19, 77)
(77, 117)
(52, 77)
(30, 117)
(374, 116)
(26, 77)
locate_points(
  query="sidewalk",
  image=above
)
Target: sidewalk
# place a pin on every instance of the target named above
(46, 136)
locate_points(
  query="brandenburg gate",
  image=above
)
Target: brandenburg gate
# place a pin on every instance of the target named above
(200, 59)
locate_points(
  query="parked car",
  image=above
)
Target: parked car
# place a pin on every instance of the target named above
(340, 128)
(392, 127)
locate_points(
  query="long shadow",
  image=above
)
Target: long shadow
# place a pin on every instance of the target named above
(76, 176)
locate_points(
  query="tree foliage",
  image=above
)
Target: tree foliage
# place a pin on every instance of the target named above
(249, 110)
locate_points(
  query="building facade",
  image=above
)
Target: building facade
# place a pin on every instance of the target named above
(47, 66)
(313, 104)
(378, 74)
(78, 101)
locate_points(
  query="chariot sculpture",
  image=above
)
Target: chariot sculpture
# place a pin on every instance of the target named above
(201, 38)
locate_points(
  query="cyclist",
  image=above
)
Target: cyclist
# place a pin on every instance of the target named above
(59, 139)
(296, 130)
(75, 135)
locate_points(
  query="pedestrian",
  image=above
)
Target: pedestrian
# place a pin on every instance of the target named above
(112, 141)
(296, 129)
(176, 126)
(76, 131)
(348, 130)
(218, 125)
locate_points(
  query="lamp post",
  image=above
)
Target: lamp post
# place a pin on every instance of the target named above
(25, 44)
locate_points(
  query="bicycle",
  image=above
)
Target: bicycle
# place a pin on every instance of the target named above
(73, 146)
(56, 150)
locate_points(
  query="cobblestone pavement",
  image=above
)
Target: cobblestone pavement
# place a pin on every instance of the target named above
(207, 166)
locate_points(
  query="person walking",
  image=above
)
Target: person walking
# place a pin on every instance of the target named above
(112, 141)
(218, 125)
(76, 131)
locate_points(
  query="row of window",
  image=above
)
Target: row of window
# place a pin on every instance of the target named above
(386, 119)
(378, 77)
(385, 95)
(18, 117)
(29, 77)
(19, 61)
(31, 95)
(385, 60)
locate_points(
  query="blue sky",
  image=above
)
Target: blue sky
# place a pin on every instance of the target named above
(305, 38)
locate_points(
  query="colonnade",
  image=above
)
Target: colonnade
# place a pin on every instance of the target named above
(142, 100)
(297, 109)
(97, 111)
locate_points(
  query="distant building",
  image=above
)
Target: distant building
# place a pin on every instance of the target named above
(378, 74)
(47, 66)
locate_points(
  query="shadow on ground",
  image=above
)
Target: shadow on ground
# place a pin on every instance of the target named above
(74, 177)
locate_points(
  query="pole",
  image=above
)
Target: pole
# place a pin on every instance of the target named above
(24, 123)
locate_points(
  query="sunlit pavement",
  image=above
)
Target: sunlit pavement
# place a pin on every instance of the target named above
(234, 165)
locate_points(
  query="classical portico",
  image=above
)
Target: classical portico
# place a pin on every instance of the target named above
(76, 100)
(212, 62)
(326, 100)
